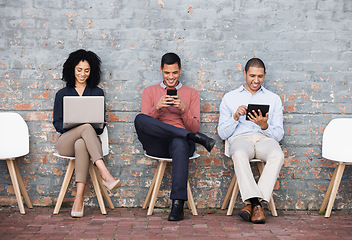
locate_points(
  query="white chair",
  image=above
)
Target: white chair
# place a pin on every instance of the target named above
(155, 185)
(233, 190)
(14, 143)
(94, 175)
(336, 147)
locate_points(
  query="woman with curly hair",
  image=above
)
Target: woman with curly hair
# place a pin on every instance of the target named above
(81, 72)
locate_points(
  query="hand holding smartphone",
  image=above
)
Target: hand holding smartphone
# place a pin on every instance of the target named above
(171, 92)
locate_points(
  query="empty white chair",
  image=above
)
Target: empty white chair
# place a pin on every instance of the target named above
(233, 190)
(336, 147)
(94, 175)
(155, 185)
(14, 143)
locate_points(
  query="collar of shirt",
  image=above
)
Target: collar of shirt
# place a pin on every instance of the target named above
(262, 89)
(179, 85)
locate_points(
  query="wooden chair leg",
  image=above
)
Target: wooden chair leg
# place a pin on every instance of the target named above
(22, 187)
(150, 191)
(159, 177)
(103, 189)
(328, 192)
(340, 169)
(190, 201)
(272, 208)
(16, 187)
(229, 192)
(233, 198)
(65, 183)
(97, 189)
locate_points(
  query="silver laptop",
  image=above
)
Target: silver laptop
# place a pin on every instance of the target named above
(83, 109)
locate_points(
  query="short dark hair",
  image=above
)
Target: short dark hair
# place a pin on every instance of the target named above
(254, 62)
(169, 59)
(68, 71)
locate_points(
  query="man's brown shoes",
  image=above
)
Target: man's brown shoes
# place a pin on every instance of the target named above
(246, 213)
(258, 215)
(255, 216)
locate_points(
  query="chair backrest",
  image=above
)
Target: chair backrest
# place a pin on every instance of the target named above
(337, 140)
(14, 137)
(104, 138)
(227, 148)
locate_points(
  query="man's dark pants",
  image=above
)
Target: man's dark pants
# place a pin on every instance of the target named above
(164, 140)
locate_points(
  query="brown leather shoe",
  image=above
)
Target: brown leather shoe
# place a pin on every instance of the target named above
(246, 213)
(258, 215)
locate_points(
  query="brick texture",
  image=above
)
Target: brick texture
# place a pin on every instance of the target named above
(306, 46)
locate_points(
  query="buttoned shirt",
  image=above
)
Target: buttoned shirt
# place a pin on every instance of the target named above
(228, 127)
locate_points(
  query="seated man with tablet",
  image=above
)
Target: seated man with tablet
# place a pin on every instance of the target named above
(251, 120)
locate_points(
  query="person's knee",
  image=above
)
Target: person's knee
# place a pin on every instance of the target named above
(280, 156)
(138, 120)
(239, 155)
(87, 127)
(277, 157)
(80, 145)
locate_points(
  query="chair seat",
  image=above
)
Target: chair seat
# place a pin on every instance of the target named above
(195, 155)
(155, 185)
(61, 156)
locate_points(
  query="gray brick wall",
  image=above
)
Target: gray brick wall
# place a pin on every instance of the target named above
(306, 46)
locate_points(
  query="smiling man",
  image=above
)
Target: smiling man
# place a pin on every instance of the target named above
(168, 127)
(256, 137)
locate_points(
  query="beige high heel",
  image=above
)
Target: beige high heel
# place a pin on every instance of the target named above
(112, 186)
(77, 214)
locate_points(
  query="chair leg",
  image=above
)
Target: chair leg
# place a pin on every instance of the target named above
(65, 183)
(159, 177)
(16, 187)
(328, 192)
(97, 189)
(229, 192)
(340, 169)
(103, 189)
(271, 204)
(22, 187)
(190, 201)
(272, 208)
(233, 198)
(152, 185)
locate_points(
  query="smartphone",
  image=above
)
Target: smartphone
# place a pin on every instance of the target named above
(171, 92)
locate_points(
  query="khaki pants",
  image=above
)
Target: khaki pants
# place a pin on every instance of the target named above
(82, 143)
(249, 146)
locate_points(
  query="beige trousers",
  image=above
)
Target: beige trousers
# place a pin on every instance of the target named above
(257, 145)
(82, 143)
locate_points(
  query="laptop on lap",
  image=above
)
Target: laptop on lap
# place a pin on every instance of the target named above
(78, 110)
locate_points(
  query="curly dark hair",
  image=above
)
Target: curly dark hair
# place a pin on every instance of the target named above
(68, 71)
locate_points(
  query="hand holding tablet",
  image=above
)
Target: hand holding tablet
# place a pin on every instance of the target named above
(264, 109)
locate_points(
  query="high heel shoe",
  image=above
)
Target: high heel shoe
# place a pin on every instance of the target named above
(77, 214)
(112, 186)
